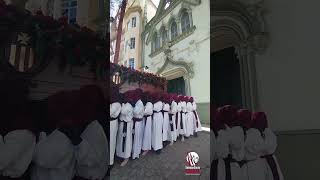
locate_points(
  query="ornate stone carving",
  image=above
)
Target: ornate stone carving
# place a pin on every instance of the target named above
(248, 28)
(168, 57)
(193, 47)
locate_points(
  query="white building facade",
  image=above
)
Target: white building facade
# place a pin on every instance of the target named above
(176, 45)
(136, 15)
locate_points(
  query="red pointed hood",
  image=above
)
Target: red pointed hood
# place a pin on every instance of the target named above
(228, 114)
(259, 120)
(244, 118)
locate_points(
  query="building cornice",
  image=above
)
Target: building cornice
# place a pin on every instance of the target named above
(162, 13)
(132, 10)
(174, 41)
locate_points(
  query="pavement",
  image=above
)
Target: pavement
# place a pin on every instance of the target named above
(170, 164)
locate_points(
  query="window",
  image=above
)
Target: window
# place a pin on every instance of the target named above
(131, 63)
(69, 9)
(128, 24)
(125, 63)
(185, 21)
(132, 43)
(174, 30)
(134, 21)
(156, 42)
(163, 36)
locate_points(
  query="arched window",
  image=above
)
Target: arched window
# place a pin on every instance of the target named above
(163, 36)
(174, 30)
(153, 45)
(185, 21)
(155, 42)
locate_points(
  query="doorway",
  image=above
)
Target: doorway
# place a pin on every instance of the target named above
(176, 86)
(226, 78)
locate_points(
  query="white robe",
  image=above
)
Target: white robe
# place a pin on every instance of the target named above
(236, 148)
(178, 118)
(146, 145)
(125, 117)
(270, 142)
(197, 123)
(173, 133)
(54, 157)
(115, 109)
(138, 112)
(190, 120)
(16, 151)
(254, 145)
(91, 153)
(222, 151)
(182, 118)
(157, 124)
(166, 123)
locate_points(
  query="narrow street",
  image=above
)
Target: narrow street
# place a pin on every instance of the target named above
(170, 164)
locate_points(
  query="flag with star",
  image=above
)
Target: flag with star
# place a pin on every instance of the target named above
(20, 52)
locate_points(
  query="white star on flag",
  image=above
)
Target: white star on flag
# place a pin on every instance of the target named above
(23, 38)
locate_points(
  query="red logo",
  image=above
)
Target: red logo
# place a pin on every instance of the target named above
(192, 159)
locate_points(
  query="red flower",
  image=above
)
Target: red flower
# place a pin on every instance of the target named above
(39, 13)
(2, 3)
(77, 51)
(63, 20)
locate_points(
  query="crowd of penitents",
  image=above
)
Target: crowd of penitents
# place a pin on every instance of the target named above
(63, 136)
(242, 146)
(143, 121)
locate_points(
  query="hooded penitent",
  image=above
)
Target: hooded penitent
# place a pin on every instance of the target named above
(157, 122)
(244, 118)
(254, 149)
(124, 137)
(228, 114)
(17, 133)
(221, 149)
(260, 122)
(115, 104)
(93, 96)
(190, 118)
(172, 118)
(94, 135)
(148, 111)
(115, 109)
(114, 95)
(166, 120)
(138, 124)
(58, 141)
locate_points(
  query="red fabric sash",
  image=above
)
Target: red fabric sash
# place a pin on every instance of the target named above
(124, 131)
(227, 162)
(116, 118)
(214, 170)
(196, 115)
(171, 122)
(181, 125)
(79, 178)
(177, 114)
(273, 166)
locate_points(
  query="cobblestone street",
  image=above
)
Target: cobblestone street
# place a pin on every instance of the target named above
(170, 164)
